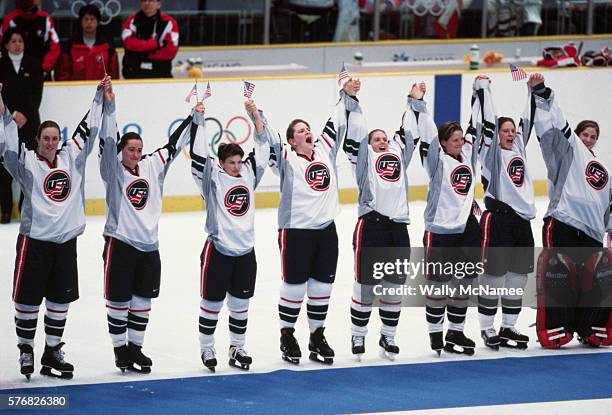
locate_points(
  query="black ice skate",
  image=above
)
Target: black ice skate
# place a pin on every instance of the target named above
(289, 346)
(53, 363)
(239, 358)
(319, 349)
(26, 359)
(140, 362)
(456, 342)
(358, 346)
(209, 358)
(436, 342)
(512, 338)
(388, 349)
(490, 338)
(122, 358)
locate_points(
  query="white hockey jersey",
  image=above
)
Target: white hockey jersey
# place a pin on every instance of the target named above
(134, 198)
(504, 172)
(579, 184)
(230, 201)
(54, 193)
(309, 187)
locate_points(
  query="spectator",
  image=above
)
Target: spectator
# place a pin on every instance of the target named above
(532, 17)
(89, 55)
(150, 38)
(22, 80)
(41, 41)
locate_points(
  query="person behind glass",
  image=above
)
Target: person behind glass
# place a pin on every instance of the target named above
(507, 239)
(150, 38)
(52, 217)
(89, 55)
(452, 233)
(41, 40)
(307, 236)
(380, 169)
(23, 85)
(132, 268)
(228, 263)
(575, 224)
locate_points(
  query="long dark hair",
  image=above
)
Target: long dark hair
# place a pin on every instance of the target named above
(584, 124)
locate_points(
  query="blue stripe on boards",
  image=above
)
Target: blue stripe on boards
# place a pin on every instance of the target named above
(447, 103)
(459, 383)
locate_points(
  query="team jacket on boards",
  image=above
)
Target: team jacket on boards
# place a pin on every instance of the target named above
(230, 201)
(451, 180)
(78, 62)
(134, 198)
(579, 185)
(309, 187)
(382, 177)
(505, 175)
(54, 193)
(41, 39)
(150, 45)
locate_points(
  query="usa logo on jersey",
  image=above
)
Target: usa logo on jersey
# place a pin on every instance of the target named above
(461, 180)
(237, 200)
(596, 175)
(318, 177)
(388, 167)
(516, 171)
(57, 185)
(138, 193)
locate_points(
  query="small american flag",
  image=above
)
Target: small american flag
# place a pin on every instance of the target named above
(249, 87)
(517, 73)
(343, 75)
(208, 92)
(192, 93)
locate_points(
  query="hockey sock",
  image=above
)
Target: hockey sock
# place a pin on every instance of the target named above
(291, 298)
(138, 317)
(361, 308)
(434, 308)
(209, 314)
(238, 316)
(26, 317)
(318, 303)
(117, 316)
(389, 309)
(511, 304)
(487, 304)
(457, 305)
(55, 321)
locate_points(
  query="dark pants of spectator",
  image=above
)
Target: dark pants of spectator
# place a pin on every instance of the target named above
(6, 195)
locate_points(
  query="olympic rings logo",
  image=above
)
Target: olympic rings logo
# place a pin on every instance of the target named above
(108, 9)
(422, 7)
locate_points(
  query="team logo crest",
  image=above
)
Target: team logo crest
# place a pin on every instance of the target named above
(138, 193)
(388, 167)
(318, 177)
(596, 175)
(516, 171)
(461, 180)
(57, 185)
(237, 200)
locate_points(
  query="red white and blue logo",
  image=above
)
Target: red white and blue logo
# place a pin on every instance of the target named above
(237, 200)
(388, 167)
(138, 193)
(596, 175)
(461, 180)
(516, 171)
(318, 177)
(57, 185)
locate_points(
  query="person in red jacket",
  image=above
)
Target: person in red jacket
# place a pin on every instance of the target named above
(150, 38)
(41, 41)
(89, 55)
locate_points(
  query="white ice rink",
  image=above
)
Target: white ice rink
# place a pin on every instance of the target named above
(172, 335)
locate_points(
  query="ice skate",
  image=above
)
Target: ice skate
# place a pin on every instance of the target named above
(289, 346)
(490, 338)
(122, 358)
(512, 338)
(456, 342)
(53, 363)
(239, 358)
(26, 360)
(209, 358)
(319, 349)
(140, 362)
(436, 342)
(358, 346)
(388, 348)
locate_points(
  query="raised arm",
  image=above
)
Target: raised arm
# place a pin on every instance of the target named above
(109, 136)
(264, 134)
(11, 155)
(407, 136)
(428, 132)
(482, 128)
(200, 151)
(84, 137)
(258, 158)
